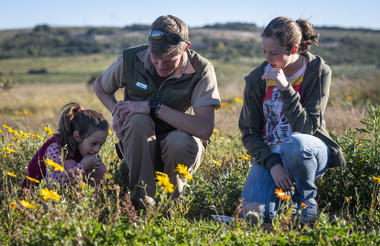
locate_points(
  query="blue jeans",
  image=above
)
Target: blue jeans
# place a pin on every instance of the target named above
(304, 158)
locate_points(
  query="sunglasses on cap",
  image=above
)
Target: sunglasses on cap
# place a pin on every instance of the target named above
(170, 37)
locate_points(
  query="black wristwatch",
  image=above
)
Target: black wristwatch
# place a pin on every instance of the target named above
(153, 106)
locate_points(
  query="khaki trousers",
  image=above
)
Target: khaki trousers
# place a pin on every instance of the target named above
(140, 147)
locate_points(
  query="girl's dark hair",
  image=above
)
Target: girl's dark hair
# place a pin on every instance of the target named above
(290, 33)
(74, 118)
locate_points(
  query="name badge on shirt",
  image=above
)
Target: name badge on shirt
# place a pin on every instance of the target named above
(141, 85)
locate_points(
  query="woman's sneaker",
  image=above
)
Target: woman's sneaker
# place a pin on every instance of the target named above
(309, 211)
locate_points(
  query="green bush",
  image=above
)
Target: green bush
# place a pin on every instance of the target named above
(355, 182)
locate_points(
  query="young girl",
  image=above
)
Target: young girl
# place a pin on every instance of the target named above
(81, 134)
(282, 121)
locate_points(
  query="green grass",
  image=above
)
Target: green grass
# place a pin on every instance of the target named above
(350, 201)
(59, 69)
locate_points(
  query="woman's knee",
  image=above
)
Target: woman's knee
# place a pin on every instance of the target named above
(294, 150)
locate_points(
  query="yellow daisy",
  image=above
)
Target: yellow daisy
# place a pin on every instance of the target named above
(27, 204)
(182, 169)
(164, 182)
(54, 165)
(49, 194)
(32, 179)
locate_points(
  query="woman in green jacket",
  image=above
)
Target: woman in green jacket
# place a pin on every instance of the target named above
(282, 122)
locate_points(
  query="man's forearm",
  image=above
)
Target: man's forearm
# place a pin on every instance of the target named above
(108, 100)
(200, 125)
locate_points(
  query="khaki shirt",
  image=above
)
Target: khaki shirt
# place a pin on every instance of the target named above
(205, 92)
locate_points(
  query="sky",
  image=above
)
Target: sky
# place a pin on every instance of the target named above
(17, 14)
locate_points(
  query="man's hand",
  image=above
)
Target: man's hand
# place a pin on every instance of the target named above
(277, 74)
(124, 110)
(281, 178)
(117, 123)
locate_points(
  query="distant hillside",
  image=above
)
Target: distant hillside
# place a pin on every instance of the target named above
(219, 41)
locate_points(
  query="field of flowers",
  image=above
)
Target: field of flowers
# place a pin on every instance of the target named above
(80, 214)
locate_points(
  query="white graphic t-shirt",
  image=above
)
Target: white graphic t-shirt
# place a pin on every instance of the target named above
(277, 127)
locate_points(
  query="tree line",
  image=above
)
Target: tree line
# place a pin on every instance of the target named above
(44, 40)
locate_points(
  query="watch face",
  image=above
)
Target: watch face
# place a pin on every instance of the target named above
(153, 104)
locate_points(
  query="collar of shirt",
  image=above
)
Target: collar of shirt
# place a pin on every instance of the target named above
(183, 69)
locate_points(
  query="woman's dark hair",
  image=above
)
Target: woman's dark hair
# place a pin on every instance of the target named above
(290, 33)
(74, 118)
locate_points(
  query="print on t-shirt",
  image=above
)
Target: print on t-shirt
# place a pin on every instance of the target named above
(277, 127)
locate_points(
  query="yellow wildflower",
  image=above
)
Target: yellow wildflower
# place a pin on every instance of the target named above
(13, 205)
(1, 132)
(347, 198)
(216, 131)
(26, 204)
(35, 136)
(83, 186)
(349, 98)
(109, 132)
(182, 169)
(22, 134)
(32, 179)
(49, 194)
(6, 127)
(107, 176)
(217, 163)
(376, 179)
(9, 150)
(282, 195)
(48, 130)
(11, 174)
(244, 156)
(238, 100)
(164, 182)
(54, 165)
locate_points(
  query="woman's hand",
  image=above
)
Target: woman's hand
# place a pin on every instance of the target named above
(277, 74)
(281, 178)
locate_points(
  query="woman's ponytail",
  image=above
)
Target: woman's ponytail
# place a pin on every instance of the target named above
(309, 37)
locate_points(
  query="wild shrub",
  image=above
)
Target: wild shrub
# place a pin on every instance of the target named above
(355, 182)
(6, 83)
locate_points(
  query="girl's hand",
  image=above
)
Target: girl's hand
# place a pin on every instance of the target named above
(90, 162)
(281, 178)
(277, 74)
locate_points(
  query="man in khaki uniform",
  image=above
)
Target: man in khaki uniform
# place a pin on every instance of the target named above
(162, 80)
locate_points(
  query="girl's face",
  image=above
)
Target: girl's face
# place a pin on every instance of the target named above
(93, 143)
(275, 54)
